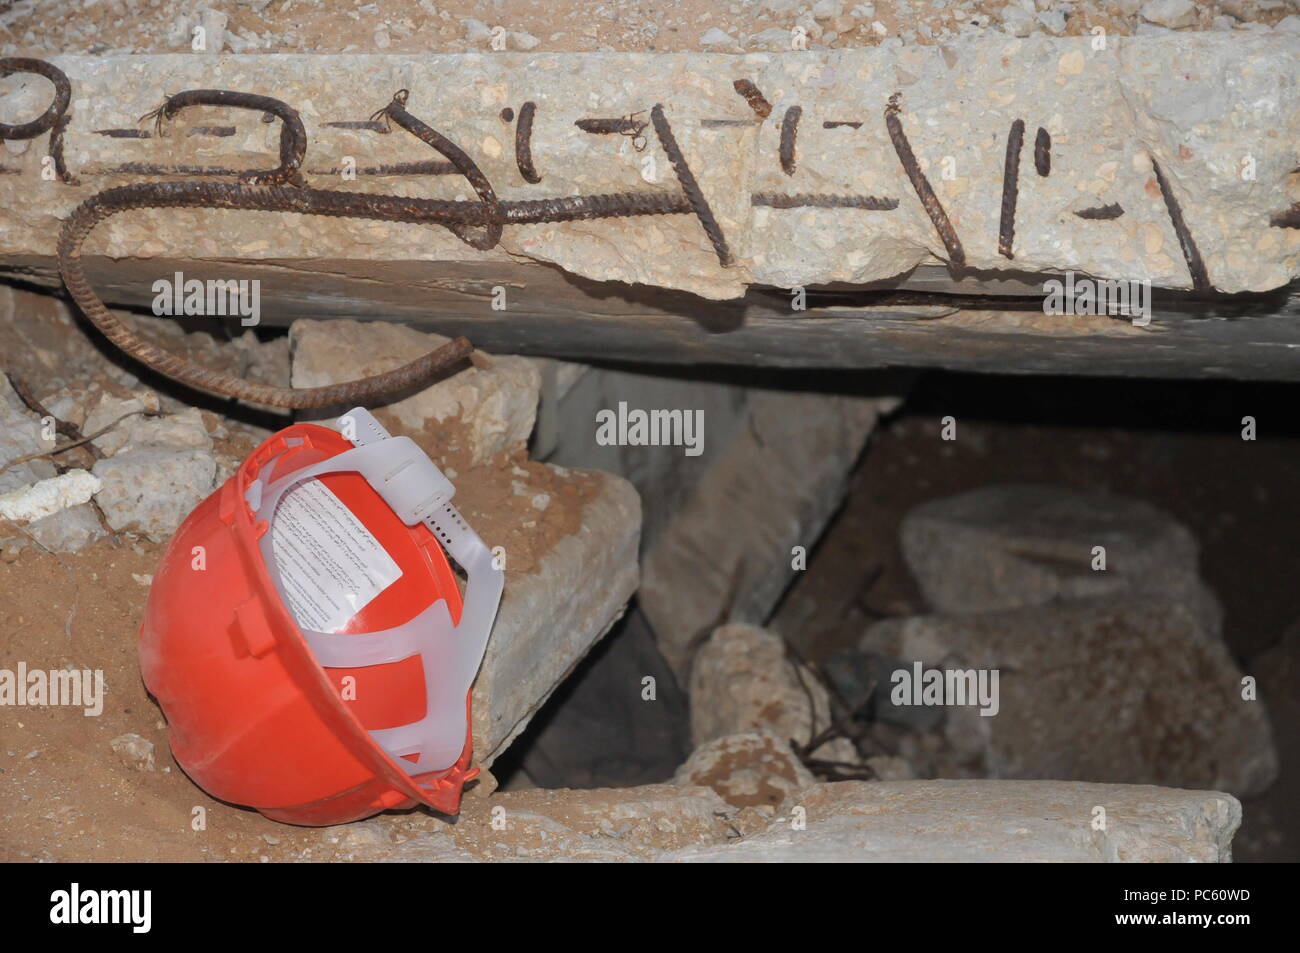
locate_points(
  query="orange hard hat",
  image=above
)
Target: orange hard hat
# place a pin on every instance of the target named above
(308, 640)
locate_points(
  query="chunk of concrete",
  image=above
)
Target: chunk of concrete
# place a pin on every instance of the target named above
(728, 553)
(989, 822)
(134, 750)
(497, 405)
(49, 496)
(1135, 691)
(150, 490)
(850, 821)
(598, 825)
(743, 680)
(1231, 89)
(67, 531)
(747, 770)
(1008, 546)
(551, 616)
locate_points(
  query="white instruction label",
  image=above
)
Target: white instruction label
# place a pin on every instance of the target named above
(330, 565)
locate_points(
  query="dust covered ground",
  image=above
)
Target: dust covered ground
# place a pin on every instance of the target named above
(43, 27)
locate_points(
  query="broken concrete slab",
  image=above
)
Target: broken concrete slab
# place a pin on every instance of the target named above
(1113, 111)
(1013, 545)
(496, 403)
(552, 616)
(720, 523)
(851, 821)
(989, 822)
(730, 548)
(1133, 691)
(598, 825)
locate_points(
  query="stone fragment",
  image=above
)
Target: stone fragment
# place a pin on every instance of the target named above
(48, 497)
(150, 490)
(138, 752)
(20, 435)
(519, 40)
(990, 822)
(1133, 691)
(1016, 20)
(1013, 545)
(552, 616)
(746, 770)
(109, 409)
(713, 37)
(68, 530)
(180, 431)
(1053, 21)
(496, 406)
(726, 552)
(214, 26)
(743, 680)
(1174, 14)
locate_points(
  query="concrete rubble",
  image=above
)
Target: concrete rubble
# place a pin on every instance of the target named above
(44, 509)
(499, 403)
(1135, 691)
(743, 680)
(1116, 674)
(720, 529)
(1225, 147)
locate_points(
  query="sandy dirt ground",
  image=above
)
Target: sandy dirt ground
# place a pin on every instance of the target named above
(457, 26)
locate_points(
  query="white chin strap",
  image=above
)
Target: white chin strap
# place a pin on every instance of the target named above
(418, 492)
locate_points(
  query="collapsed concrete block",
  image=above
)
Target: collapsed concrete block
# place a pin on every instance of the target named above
(1123, 116)
(1008, 546)
(554, 613)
